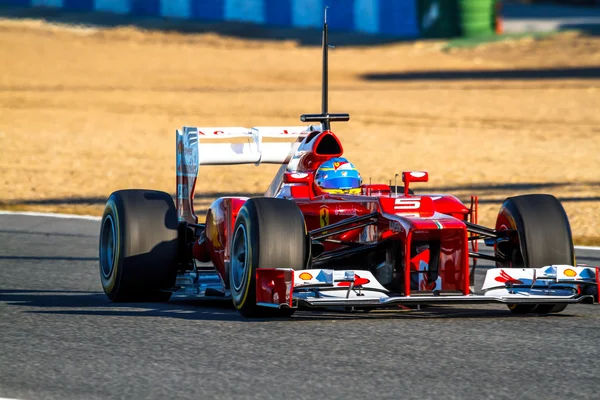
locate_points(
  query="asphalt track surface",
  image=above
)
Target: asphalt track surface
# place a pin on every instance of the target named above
(60, 338)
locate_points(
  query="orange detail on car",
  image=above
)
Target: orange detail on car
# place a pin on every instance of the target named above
(305, 276)
(570, 273)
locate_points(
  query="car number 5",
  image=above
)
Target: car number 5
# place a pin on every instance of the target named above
(407, 204)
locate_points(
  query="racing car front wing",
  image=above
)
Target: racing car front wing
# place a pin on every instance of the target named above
(320, 288)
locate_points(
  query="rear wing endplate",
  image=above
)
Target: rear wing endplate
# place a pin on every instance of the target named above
(234, 145)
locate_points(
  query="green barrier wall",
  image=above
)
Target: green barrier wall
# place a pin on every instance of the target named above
(477, 17)
(451, 18)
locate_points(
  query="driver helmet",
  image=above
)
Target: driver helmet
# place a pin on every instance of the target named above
(338, 176)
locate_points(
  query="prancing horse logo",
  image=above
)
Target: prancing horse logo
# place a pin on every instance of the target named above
(324, 216)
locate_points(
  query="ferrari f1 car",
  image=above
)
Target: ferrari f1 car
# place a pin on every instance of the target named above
(299, 246)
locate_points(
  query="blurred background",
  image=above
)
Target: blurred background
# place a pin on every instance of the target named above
(493, 98)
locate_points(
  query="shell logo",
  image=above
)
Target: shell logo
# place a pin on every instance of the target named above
(570, 273)
(305, 276)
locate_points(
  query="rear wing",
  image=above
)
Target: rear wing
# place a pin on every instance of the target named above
(229, 146)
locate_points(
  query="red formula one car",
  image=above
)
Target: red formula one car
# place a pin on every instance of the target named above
(318, 240)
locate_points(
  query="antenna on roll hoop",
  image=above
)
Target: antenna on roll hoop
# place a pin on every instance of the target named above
(325, 118)
(325, 71)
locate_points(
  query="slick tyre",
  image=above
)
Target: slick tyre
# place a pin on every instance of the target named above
(268, 233)
(543, 238)
(138, 246)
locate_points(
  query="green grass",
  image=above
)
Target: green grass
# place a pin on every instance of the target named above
(471, 42)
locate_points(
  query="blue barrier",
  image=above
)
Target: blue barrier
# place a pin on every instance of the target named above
(397, 18)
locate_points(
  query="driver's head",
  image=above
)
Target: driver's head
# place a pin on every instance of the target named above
(338, 176)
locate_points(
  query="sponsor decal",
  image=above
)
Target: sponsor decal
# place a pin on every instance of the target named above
(183, 192)
(305, 276)
(506, 278)
(298, 175)
(324, 216)
(187, 154)
(338, 164)
(550, 270)
(570, 273)
(358, 281)
(587, 274)
(417, 174)
(345, 211)
(215, 133)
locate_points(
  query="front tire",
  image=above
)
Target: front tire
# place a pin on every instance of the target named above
(268, 233)
(138, 246)
(543, 238)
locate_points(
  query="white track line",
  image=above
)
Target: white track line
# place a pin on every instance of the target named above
(94, 218)
(596, 248)
(51, 215)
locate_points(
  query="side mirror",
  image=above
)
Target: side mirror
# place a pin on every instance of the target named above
(413, 176)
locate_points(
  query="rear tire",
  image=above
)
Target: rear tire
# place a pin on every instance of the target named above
(543, 238)
(268, 233)
(138, 246)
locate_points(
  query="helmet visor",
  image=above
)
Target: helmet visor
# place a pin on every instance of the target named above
(344, 182)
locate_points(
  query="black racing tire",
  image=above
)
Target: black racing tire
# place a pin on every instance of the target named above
(543, 238)
(268, 233)
(138, 246)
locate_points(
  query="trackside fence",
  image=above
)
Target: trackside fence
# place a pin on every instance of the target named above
(395, 18)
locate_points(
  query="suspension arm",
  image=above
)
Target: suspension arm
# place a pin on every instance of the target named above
(332, 229)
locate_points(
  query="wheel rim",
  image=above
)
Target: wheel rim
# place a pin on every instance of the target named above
(239, 258)
(108, 245)
(508, 248)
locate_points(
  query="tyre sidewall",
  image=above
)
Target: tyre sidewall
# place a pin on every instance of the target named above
(276, 237)
(530, 227)
(510, 218)
(244, 297)
(111, 283)
(544, 215)
(146, 244)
